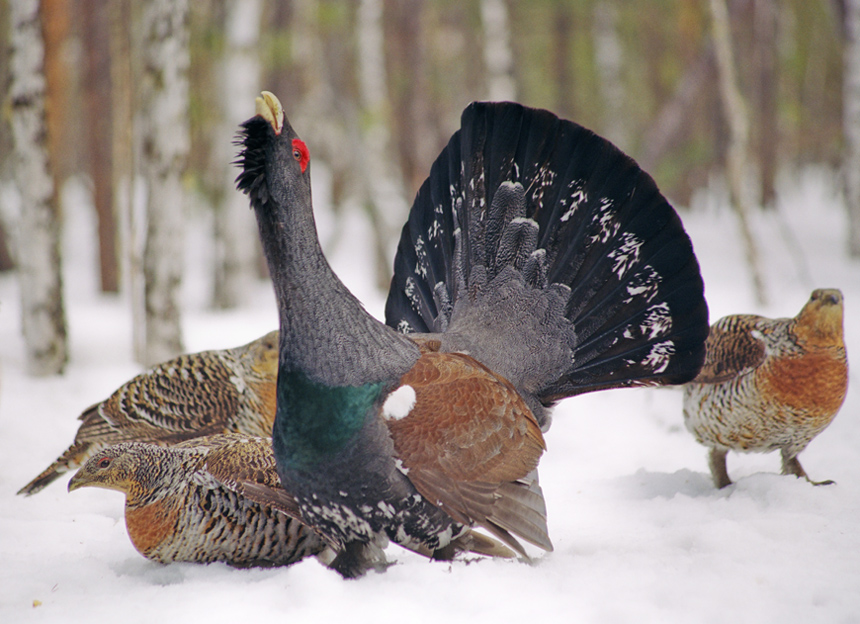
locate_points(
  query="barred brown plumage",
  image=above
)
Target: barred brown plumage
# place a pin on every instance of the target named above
(185, 502)
(197, 394)
(769, 384)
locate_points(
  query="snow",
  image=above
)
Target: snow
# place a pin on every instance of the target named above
(640, 533)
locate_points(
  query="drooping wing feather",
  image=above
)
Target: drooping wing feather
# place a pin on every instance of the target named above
(246, 465)
(503, 509)
(232, 458)
(470, 445)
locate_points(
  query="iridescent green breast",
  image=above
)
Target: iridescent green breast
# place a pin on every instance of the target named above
(315, 421)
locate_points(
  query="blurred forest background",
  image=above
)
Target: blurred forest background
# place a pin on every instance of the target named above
(148, 95)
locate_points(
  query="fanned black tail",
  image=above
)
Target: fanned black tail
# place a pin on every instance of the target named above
(548, 254)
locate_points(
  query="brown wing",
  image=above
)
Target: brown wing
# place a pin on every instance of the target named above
(471, 445)
(238, 461)
(233, 458)
(191, 395)
(467, 422)
(732, 348)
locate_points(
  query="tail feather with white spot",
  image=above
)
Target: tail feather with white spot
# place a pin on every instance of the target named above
(549, 255)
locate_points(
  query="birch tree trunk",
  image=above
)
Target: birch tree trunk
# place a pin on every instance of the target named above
(239, 84)
(498, 54)
(383, 181)
(165, 146)
(851, 122)
(737, 158)
(38, 246)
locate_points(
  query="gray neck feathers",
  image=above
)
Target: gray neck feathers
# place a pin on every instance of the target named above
(325, 331)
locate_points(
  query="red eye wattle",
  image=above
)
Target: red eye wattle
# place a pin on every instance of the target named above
(104, 462)
(301, 153)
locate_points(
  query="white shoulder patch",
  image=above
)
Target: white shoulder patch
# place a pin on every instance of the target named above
(399, 403)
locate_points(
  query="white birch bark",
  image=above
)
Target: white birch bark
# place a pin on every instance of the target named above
(164, 152)
(235, 233)
(851, 122)
(498, 54)
(38, 244)
(737, 159)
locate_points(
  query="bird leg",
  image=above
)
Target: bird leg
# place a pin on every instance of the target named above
(717, 463)
(791, 466)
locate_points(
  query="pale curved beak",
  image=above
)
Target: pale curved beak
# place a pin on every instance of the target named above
(269, 108)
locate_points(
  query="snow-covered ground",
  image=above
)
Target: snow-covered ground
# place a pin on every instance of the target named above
(640, 533)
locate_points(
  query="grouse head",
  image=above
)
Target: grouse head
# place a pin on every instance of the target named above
(324, 330)
(128, 468)
(271, 144)
(262, 356)
(820, 320)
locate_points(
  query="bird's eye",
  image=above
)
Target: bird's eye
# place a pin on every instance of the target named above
(104, 462)
(301, 153)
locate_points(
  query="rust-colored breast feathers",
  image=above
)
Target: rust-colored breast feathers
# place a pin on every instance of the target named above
(814, 383)
(151, 525)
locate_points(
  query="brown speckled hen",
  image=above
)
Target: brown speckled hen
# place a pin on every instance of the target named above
(185, 502)
(197, 394)
(769, 384)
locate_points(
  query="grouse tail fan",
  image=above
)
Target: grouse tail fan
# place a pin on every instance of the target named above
(549, 255)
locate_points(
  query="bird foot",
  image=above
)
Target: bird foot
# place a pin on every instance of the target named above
(827, 482)
(791, 465)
